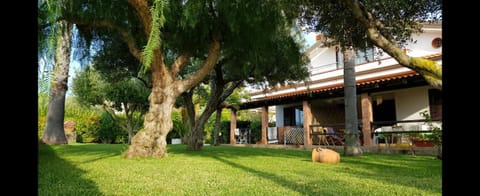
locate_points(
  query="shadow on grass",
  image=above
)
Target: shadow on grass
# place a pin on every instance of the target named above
(302, 188)
(236, 152)
(388, 168)
(57, 176)
(99, 151)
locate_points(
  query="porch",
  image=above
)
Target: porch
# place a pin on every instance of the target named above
(391, 137)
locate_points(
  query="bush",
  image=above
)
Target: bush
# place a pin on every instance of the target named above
(109, 131)
(87, 119)
(86, 127)
(41, 125)
(179, 129)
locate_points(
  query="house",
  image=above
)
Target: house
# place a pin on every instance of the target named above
(388, 94)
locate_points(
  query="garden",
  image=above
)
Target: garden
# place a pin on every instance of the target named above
(100, 169)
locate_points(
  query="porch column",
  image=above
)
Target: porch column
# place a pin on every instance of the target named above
(307, 121)
(264, 124)
(233, 125)
(367, 118)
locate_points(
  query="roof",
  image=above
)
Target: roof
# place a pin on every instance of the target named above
(340, 86)
(363, 85)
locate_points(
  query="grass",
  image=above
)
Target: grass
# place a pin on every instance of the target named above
(99, 169)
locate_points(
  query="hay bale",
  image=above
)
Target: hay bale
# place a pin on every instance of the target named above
(324, 155)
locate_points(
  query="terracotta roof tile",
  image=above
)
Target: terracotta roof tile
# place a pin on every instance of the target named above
(339, 86)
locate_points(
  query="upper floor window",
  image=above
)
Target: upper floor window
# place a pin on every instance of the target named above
(364, 56)
(437, 42)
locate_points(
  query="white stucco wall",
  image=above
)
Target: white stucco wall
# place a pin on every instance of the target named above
(320, 57)
(410, 102)
(423, 46)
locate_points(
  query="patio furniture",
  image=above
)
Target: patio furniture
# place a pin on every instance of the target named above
(272, 135)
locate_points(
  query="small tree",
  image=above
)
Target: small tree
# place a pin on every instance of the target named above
(436, 136)
(128, 95)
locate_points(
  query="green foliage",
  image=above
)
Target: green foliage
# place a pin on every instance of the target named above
(154, 40)
(110, 132)
(87, 120)
(179, 129)
(89, 88)
(44, 77)
(99, 169)
(114, 62)
(41, 125)
(256, 130)
(399, 18)
(436, 136)
(122, 94)
(42, 104)
(129, 91)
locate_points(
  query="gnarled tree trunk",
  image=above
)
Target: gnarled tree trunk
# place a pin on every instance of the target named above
(152, 140)
(219, 92)
(352, 137)
(54, 132)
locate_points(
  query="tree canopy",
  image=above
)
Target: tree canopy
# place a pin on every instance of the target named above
(165, 36)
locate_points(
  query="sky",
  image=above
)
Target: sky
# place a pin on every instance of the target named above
(310, 37)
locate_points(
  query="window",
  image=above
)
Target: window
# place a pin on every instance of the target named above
(338, 58)
(364, 56)
(435, 102)
(293, 116)
(437, 42)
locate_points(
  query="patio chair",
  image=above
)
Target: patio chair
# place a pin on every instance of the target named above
(272, 135)
(334, 138)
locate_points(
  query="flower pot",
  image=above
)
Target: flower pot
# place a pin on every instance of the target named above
(422, 143)
(176, 141)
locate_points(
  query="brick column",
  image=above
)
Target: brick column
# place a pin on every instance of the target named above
(233, 126)
(307, 121)
(367, 118)
(264, 124)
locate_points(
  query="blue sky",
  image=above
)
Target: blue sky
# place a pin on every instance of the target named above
(310, 37)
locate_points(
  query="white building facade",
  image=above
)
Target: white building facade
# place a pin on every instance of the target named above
(388, 94)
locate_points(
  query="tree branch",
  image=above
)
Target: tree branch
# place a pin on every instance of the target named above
(148, 85)
(125, 34)
(227, 92)
(181, 61)
(207, 66)
(143, 12)
(430, 70)
(188, 98)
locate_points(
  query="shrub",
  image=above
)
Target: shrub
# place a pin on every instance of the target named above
(179, 129)
(109, 131)
(41, 125)
(256, 130)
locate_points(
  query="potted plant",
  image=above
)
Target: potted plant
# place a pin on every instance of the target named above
(430, 139)
(423, 140)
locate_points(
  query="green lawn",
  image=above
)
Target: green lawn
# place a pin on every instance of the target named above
(99, 169)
